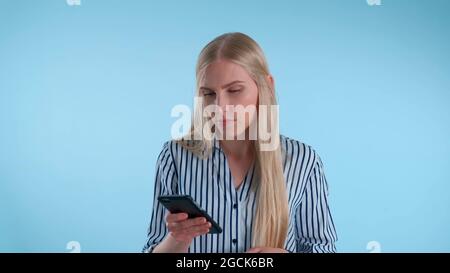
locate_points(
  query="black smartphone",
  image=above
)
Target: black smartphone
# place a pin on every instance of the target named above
(185, 203)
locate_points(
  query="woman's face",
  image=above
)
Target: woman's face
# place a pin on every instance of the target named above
(229, 86)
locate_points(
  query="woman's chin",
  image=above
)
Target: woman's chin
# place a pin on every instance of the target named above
(228, 131)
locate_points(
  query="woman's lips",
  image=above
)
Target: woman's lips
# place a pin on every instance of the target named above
(226, 121)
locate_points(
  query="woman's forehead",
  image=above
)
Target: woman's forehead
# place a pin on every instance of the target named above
(222, 72)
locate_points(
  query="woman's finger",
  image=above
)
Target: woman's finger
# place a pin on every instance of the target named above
(254, 250)
(188, 227)
(187, 223)
(192, 232)
(176, 217)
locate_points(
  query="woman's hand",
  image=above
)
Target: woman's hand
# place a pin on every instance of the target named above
(183, 229)
(181, 232)
(266, 250)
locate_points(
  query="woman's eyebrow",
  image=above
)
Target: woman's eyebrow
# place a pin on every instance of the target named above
(224, 86)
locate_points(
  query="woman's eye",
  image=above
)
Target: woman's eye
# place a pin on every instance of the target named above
(234, 90)
(209, 94)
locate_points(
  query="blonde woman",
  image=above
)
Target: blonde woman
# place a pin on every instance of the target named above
(265, 200)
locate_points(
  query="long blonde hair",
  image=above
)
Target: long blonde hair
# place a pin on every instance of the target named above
(272, 213)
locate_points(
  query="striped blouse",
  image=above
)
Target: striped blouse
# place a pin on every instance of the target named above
(209, 182)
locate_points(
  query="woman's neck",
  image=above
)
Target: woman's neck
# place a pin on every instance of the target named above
(237, 149)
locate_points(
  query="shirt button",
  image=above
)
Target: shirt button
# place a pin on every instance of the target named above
(234, 241)
(235, 206)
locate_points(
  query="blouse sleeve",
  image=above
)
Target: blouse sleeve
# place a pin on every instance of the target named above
(165, 180)
(315, 228)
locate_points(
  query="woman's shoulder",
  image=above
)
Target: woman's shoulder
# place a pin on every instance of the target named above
(293, 149)
(170, 147)
(173, 148)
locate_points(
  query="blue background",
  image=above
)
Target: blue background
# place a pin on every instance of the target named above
(86, 93)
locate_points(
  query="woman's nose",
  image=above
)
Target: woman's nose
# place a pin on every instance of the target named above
(222, 102)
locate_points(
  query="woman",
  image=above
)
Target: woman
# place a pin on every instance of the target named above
(265, 200)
